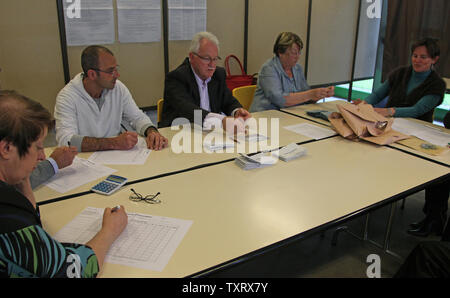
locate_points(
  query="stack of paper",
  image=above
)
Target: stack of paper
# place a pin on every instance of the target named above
(259, 160)
(217, 142)
(250, 137)
(218, 145)
(290, 152)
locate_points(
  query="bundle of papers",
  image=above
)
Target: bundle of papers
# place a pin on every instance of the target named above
(290, 152)
(218, 144)
(250, 136)
(259, 160)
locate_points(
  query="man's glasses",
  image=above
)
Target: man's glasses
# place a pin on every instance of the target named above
(208, 59)
(110, 72)
(151, 199)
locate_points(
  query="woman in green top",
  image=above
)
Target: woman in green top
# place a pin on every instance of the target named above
(414, 91)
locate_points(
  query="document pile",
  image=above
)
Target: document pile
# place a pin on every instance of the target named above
(217, 141)
(218, 145)
(290, 152)
(259, 160)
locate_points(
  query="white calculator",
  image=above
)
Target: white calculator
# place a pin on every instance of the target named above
(109, 185)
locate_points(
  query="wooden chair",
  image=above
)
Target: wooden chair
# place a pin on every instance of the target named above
(159, 108)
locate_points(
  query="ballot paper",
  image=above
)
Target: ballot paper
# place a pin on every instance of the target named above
(259, 160)
(217, 141)
(422, 131)
(290, 152)
(311, 131)
(80, 172)
(250, 136)
(136, 156)
(148, 241)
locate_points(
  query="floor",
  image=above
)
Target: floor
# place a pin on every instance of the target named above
(317, 257)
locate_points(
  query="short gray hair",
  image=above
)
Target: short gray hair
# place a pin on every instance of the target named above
(195, 43)
(284, 41)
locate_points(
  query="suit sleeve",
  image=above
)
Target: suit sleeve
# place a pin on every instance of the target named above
(178, 95)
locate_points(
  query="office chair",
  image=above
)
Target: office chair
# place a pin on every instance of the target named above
(159, 108)
(245, 95)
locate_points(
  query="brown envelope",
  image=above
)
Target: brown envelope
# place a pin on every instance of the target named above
(364, 122)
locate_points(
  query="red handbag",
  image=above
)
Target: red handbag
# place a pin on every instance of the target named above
(234, 81)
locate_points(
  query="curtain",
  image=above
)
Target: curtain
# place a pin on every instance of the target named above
(408, 21)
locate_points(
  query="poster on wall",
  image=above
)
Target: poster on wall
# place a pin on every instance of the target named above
(89, 22)
(139, 20)
(186, 17)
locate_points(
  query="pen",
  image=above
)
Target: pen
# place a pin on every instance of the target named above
(123, 127)
(68, 143)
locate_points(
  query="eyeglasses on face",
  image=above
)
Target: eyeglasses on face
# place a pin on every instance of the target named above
(151, 199)
(208, 59)
(112, 71)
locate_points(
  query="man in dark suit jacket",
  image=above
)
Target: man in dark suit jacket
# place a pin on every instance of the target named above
(198, 84)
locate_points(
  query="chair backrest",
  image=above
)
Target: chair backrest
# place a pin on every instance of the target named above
(245, 95)
(159, 108)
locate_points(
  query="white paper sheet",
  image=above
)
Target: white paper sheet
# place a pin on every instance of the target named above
(139, 20)
(311, 131)
(186, 17)
(423, 132)
(147, 242)
(135, 156)
(94, 26)
(80, 172)
(217, 141)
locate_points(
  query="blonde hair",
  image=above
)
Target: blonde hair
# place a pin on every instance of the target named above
(284, 41)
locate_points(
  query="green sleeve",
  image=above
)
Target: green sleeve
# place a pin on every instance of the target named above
(379, 94)
(31, 252)
(424, 105)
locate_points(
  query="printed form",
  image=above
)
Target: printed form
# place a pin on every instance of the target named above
(148, 241)
(80, 172)
(135, 156)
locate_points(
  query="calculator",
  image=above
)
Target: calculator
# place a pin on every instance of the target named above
(109, 185)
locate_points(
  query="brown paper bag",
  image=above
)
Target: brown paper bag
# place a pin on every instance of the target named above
(341, 127)
(362, 121)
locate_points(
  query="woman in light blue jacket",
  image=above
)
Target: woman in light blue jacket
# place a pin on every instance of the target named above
(281, 82)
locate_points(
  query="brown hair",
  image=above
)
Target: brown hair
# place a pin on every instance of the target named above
(432, 45)
(22, 120)
(284, 41)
